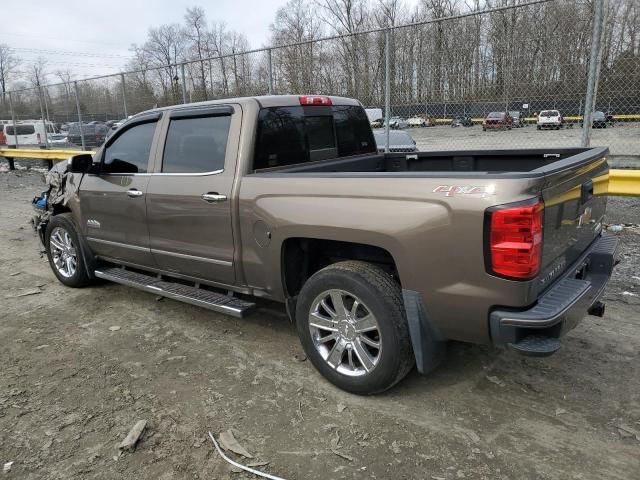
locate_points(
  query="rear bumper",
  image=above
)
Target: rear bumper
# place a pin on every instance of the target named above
(564, 303)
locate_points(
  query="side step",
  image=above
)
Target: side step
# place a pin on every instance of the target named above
(177, 291)
(536, 346)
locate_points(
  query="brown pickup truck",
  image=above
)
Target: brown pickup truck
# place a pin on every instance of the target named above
(379, 258)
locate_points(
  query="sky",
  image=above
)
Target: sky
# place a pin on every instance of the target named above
(93, 38)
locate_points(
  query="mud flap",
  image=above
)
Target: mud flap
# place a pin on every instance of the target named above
(428, 346)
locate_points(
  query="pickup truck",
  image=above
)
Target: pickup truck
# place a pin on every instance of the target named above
(379, 259)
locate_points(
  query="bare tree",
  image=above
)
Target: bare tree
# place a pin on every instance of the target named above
(8, 63)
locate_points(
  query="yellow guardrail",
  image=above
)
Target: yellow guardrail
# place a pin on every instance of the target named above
(618, 182)
(41, 154)
(624, 183)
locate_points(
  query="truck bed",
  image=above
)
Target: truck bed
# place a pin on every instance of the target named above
(452, 163)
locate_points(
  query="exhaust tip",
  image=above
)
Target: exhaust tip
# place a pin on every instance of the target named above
(597, 309)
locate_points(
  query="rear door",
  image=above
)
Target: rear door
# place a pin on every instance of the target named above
(113, 208)
(189, 197)
(25, 132)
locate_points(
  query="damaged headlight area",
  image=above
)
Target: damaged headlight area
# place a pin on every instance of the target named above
(61, 187)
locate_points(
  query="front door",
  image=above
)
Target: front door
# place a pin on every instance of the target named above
(114, 213)
(189, 196)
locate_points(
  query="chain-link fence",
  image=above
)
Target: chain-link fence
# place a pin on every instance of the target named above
(539, 74)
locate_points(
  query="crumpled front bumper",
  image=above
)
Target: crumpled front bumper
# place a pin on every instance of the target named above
(562, 305)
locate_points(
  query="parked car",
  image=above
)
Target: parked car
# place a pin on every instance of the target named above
(549, 119)
(94, 134)
(497, 120)
(28, 133)
(402, 253)
(399, 141)
(58, 139)
(396, 123)
(518, 121)
(599, 120)
(462, 121)
(378, 123)
(420, 121)
(3, 137)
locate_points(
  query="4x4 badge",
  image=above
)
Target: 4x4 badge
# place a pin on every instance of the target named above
(451, 190)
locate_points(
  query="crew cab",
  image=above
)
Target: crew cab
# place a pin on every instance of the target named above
(379, 258)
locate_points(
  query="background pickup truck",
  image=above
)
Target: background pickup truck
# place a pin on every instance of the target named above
(380, 259)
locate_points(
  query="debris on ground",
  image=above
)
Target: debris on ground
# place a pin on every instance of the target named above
(238, 465)
(627, 431)
(341, 407)
(115, 328)
(32, 291)
(7, 467)
(130, 441)
(616, 228)
(496, 380)
(560, 411)
(229, 442)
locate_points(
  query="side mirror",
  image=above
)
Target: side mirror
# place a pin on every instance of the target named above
(80, 163)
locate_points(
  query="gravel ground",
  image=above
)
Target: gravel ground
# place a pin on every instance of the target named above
(81, 366)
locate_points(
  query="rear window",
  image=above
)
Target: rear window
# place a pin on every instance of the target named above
(196, 145)
(20, 130)
(549, 113)
(293, 135)
(495, 115)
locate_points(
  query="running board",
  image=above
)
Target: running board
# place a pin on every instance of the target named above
(176, 291)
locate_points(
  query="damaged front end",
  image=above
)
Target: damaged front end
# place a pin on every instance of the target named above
(62, 186)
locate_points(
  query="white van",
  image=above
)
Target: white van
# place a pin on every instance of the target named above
(29, 133)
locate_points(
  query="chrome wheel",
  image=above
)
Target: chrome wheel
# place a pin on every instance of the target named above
(345, 332)
(63, 252)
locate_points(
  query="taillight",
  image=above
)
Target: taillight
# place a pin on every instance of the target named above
(314, 100)
(515, 240)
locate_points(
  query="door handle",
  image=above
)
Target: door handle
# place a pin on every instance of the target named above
(134, 192)
(213, 197)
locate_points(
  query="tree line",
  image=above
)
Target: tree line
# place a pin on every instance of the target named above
(528, 53)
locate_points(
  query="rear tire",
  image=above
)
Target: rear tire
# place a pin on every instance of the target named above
(352, 325)
(64, 251)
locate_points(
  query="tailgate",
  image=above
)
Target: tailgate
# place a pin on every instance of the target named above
(574, 194)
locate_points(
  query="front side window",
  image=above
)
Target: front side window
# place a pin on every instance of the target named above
(196, 145)
(129, 152)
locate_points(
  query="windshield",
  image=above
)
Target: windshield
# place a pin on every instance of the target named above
(86, 129)
(495, 115)
(549, 113)
(598, 115)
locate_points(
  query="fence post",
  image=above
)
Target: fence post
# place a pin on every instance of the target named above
(75, 89)
(44, 123)
(184, 84)
(12, 165)
(594, 71)
(387, 87)
(124, 96)
(270, 67)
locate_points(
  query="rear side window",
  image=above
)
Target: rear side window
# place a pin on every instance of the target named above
(196, 145)
(20, 130)
(129, 153)
(294, 135)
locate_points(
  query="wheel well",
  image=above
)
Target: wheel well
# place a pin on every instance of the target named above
(302, 257)
(58, 209)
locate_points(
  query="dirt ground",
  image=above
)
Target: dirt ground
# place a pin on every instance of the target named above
(72, 384)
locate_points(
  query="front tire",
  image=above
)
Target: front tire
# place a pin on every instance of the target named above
(352, 325)
(64, 251)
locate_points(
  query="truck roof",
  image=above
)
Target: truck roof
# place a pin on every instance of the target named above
(262, 100)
